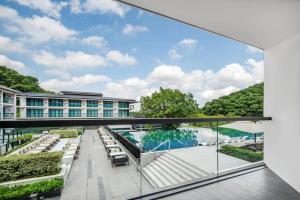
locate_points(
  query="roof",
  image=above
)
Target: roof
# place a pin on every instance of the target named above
(62, 96)
(96, 94)
(9, 89)
(260, 23)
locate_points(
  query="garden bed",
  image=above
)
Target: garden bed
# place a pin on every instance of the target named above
(41, 190)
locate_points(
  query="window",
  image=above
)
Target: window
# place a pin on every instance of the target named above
(123, 113)
(92, 113)
(34, 102)
(34, 113)
(74, 113)
(107, 104)
(123, 104)
(74, 103)
(56, 112)
(56, 102)
(107, 113)
(92, 103)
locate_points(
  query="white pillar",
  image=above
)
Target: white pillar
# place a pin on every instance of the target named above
(282, 102)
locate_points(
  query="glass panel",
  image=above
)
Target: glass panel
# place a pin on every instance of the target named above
(123, 113)
(74, 103)
(107, 166)
(34, 112)
(92, 113)
(56, 102)
(107, 104)
(107, 113)
(74, 113)
(56, 112)
(240, 144)
(92, 103)
(123, 104)
(34, 102)
(176, 153)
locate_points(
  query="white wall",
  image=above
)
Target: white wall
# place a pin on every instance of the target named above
(282, 102)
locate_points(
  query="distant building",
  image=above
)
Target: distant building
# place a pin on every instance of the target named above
(66, 104)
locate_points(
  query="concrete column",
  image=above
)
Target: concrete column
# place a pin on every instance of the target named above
(282, 102)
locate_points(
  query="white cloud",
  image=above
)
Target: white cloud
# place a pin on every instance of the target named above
(7, 13)
(47, 7)
(71, 60)
(36, 29)
(251, 49)
(75, 6)
(205, 85)
(9, 45)
(99, 7)
(188, 43)
(94, 41)
(75, 82)
(121, 59)
(174, 54)
(130, 29)
(17, 65)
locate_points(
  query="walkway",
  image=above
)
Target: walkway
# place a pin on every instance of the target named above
(93, 178)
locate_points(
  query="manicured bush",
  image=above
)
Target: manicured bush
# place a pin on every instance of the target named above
(23, 191)
(67, 133)
(23, 139)
(240, 153)
(29, 165)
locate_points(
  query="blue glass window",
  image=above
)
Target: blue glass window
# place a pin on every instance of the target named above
(123, 113)
(34, 102)
(74, 113)
(107, 104)
(34, 112)
(92, 103)
(56, 112)
(56, 102)
(74, 103)
(92, 113)
(107, 113)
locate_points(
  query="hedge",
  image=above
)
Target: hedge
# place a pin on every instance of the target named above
(23, 191)
(23, 139)
(240, 153)
(29, 165)
(68, 133)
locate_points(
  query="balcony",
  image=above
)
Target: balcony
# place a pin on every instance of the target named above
(167, 160)
(8, 115)
(7, 100)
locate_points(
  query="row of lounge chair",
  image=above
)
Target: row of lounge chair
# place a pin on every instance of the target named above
(114, 151)
(43, 144)
(233, 140)
(71, 148)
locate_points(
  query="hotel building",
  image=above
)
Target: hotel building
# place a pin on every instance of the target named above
(66, 104)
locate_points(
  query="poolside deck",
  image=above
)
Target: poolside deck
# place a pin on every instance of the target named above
(93, 178)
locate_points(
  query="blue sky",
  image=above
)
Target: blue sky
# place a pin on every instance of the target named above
(104, 46)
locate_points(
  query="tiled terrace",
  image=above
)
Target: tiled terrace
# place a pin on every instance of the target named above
(93, 178)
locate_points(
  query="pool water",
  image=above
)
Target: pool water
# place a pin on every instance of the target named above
(182, 137)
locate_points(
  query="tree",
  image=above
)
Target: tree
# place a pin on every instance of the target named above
(244, 103)
(169, 103)
(11, 78)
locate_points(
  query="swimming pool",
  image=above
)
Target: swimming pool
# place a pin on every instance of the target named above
(183, 137)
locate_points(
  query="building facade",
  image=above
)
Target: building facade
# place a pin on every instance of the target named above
(7, 103)
(67, 104)
(70, 104)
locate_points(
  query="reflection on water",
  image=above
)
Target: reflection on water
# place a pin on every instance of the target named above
(186, 137)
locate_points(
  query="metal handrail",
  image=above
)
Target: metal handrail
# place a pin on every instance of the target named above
(25, 123)
(164, 142)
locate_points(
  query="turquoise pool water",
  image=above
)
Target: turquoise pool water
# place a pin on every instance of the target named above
(183, 137)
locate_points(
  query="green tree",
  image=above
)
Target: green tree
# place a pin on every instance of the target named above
(12, 79)
(169, 103)
(244, 103)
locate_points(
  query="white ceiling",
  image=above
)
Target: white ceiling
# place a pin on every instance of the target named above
(261, 23)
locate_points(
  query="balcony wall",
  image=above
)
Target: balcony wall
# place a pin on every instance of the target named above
(282, 102)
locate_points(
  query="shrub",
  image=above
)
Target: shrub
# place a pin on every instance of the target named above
(240, 153)
(68, 133)
(23, 139)
(20, 191)
(29, 165)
